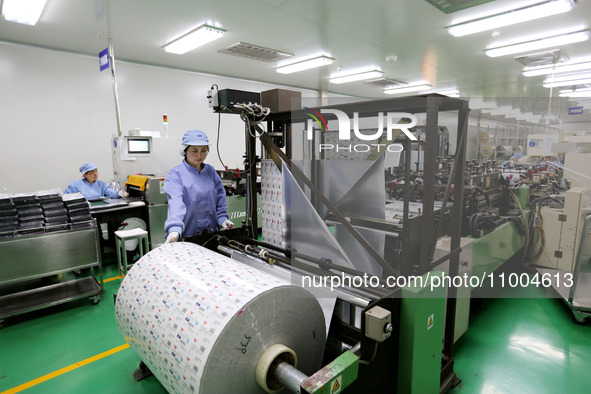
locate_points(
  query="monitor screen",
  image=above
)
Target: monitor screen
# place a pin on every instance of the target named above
(138, 145)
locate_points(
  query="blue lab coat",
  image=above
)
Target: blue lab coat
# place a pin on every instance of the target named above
(196, 200)
(91, 191)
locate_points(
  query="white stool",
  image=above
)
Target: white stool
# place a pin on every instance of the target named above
(125, 235)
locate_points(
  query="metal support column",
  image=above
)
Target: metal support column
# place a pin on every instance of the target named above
(448, 376)
(428, 218)
(250, 164)
(115, 91)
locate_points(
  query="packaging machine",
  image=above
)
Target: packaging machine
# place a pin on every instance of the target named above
(375, 258)
(325, 220)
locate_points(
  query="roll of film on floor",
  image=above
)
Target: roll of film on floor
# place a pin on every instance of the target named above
(203, 322)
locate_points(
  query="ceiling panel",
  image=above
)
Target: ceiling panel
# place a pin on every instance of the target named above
(356, 33)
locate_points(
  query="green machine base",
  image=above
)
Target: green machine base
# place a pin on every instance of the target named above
(422, 317)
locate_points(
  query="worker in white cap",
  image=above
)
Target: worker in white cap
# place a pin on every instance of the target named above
(91, 187)
(196, 196)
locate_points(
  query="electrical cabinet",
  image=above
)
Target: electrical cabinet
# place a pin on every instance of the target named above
(463, 292)
(562, 230)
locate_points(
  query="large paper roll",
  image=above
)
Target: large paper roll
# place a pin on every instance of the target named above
(201, 321)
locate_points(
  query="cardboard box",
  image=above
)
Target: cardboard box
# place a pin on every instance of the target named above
(280, 100)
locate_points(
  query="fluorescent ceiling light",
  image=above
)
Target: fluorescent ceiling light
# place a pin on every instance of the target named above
(586, 92)
(560, 68)
(506, 111)
(411, 87)
(358, 76)
(535, 11)
(27, 12)
(539, 43)
(448, 92)
(304, 64)
(194, 39)
(580, 79)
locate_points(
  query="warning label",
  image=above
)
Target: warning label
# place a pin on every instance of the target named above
(336, 385)
(430, 322)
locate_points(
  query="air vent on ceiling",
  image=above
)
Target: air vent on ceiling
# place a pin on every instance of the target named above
(255, 52)
(385, 82)
(449, 6)
(545, 58)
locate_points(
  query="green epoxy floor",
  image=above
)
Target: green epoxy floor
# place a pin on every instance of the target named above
(513, 345)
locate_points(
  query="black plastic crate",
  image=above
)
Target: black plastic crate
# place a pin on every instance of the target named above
(8, 212)
(8, 221)
(80, 218)
(30, 210)
(49, 197)
(6, 202)
(24, 200)
(31, 218)
(78, 206)
(56, 219)
(8, 227)
(57, 227)
(56, 211)
(29, 225)
(75, 201)
(24, 233)
(52, 204)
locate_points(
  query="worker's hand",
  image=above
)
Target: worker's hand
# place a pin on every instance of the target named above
(227, 224)
(123, 194)
(172, 237)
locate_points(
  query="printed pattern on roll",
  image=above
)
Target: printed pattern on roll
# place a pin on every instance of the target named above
(272, 203)
(200, 320)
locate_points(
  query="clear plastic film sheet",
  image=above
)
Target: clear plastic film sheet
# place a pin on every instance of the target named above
(200, 321)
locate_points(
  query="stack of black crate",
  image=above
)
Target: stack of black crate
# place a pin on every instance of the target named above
(79, 212)
(30, 215)
(56, 214)
(8, 218)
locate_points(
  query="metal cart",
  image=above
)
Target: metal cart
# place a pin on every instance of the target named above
(23, 259)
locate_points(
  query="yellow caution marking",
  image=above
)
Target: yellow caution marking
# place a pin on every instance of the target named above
(336, 387)
(62, 371)
(115, 278)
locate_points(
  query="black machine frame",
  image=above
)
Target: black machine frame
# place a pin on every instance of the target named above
(416, 231)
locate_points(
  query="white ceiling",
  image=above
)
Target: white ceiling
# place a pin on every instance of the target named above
(356, 33)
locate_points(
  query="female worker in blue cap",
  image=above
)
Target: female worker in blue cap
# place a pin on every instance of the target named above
(90, 187)
(196, 196)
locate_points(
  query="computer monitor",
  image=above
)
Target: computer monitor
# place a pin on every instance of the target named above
(139, 145)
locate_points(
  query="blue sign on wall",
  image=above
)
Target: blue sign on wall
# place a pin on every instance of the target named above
(575, 110)
(104, 59)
